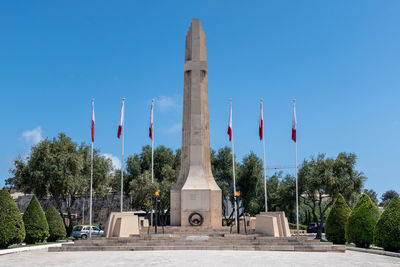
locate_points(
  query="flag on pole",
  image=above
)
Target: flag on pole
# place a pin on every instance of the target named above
(151, 121)
(230, 122)
(121, 121)
(261, 122)
(92, 126)
(294, 124)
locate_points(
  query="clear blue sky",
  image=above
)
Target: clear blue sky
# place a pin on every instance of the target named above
(339, 59)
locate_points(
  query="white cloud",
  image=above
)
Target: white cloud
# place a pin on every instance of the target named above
(176, 128)
(168, 102)
(116, 162)
(33, 136)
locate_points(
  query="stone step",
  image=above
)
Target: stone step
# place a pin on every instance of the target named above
(323, 248)
(189, 242)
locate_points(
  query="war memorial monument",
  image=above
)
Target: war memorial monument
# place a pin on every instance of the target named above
(196, 192)
(196, 189)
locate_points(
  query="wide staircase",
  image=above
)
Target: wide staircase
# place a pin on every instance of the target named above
(199, 238)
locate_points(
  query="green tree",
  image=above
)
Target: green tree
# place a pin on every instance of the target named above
(170, 177)
(35, 222)
(372, 195)
(251, 184)
(221, 165)
(361, 223)
(336, 221)
(162, 156)
(60, 169)
(166, 170)
(387, 230)
(287, 196)
(322, 179)
(56, 224)
(387, 197)
(142, 191)
(12, 229)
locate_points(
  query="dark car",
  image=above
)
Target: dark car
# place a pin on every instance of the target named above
(313, 227)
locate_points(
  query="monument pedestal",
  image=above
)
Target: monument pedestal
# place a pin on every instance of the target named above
(122, 224)
(273, 224)
(195, 200)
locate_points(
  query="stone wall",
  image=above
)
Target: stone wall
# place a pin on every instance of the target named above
(102, 207)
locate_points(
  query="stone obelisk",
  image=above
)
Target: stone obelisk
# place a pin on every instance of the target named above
(196, 189)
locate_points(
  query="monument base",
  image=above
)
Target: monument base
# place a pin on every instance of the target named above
(122, 224)
(206, 202)
(273, 224)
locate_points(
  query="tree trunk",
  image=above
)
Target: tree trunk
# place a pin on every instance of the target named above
(319, 232)
(69, 227)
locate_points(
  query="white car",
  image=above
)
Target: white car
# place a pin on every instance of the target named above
(82, 231)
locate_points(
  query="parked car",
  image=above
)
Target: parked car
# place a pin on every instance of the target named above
(82, 231)
(313, 227)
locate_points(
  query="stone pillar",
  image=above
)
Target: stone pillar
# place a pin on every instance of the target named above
(196, 189)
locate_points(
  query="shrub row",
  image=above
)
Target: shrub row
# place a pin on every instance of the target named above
(364, 225)
(32, 227)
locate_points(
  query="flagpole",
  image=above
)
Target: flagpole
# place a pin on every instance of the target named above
(91, 177)
(152, 151)
(122, 156)
(152, 144)
(233, 168)
(297, 183)
(265, 165)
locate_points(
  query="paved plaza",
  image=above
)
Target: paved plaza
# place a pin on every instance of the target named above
(195, 258)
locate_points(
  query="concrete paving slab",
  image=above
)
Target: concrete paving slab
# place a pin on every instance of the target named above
(195, 258)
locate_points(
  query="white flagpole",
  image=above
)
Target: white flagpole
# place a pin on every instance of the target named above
(233, 162)
(122, 155)
(91, 178)
(152, 150)
(265, 165)
(297, 184)
(152, 142)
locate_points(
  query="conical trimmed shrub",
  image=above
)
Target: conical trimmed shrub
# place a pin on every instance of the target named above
(56, 224)
(360, 226)
(336, 221)
(12, 230)
(387, 230)
(36, 226)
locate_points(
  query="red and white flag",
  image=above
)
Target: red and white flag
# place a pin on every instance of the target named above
(151, 121)
(230, 121)
(92, 126)
(294, 124)
(121, 120)
(261, 122)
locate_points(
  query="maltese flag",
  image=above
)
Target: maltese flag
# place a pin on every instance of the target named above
(294, 124)
(92, 126)
(261, 122)
(121, 121)
(151, 121)
(230, 122)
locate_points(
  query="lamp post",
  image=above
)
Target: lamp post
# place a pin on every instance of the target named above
(237, 197)
(157, 199)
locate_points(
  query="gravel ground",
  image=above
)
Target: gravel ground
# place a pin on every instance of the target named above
(195, 258)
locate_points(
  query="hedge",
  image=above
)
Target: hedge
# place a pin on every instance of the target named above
(361, 223)
(12, 230)
(56, 224)
(387, 230)
(336, 221)
(36, 226)
(294, 226)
